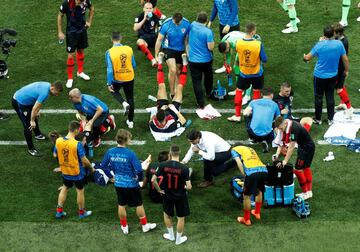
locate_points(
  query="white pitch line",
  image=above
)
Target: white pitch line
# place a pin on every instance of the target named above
(144, 111)
(112, 143)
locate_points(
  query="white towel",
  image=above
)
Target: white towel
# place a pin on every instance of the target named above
(208, 112)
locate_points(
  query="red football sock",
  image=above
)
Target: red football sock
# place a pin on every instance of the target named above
(345, 97)
(308, 176)
(103, 129)
(123, 222)
(146, 51)
(257, 94)
(307, 127)
(238, 101)
(160, 75)
(59, 209)
(183, 76)
(246, 215)
(302, 180)
(258, 207)
(81, 211)
(70, 68)
(143, 220)
(80, 61)
(157, 12)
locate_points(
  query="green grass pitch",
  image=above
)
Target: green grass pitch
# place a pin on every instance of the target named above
(29, 187)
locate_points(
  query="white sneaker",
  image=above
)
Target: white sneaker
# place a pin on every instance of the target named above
(184, 59)
(341, 106)
(220, 70)
(160, 58)
(343, 23)
(181, 240)
(306, 196)
(349, 112)
(358, 19)
(83, 76)
(246, 99)
(309, 194)
(232, 93)
(289, 24)
(147, 227)
(234, 118)
(69, 83)
(162, 17)
(168, 237)
(126, 107)
(112, 117)
(154, 63)
(125, 230)
(130, 124)
(299, 194)
(290, 30)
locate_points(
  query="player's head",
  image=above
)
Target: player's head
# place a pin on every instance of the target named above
(338, 30)
(56, 88)
(123, 137)
(177, 18)
(75, 95)
(116, 37)
(163, 156)
(74, 127)
(280, 123)
(53, 135)
(224, 47)
(148, 7)
(194, 136)
(328, 31)
(250, 29)
(202, 17)
(160, 116)
(267, 92)
(174, 151)
(285, 89)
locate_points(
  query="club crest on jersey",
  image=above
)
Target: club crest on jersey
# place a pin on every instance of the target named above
(152, 23)
(183, 30)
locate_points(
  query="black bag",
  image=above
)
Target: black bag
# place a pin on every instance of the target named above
(280, 177)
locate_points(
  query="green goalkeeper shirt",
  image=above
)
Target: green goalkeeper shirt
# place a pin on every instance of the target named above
(232, 37)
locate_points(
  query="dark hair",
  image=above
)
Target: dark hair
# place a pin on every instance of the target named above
(53, 135)
(123, 136)
(250, 27)
(177, 17)
(160, 115)
(80, 137)
(338, 28)
(74, 125)
(286, 85)
(266, 91)
(163, 156)
(193, 134)
(58, 86)
(202, 17)
(329, 31)
(174, 150)
(116, 36)
(222, 47)
(278, 121)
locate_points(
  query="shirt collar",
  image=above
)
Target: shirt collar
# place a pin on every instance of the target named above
(118, 44)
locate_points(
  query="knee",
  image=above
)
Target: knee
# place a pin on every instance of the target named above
(339, 90)
(71, 55)
(140, 42)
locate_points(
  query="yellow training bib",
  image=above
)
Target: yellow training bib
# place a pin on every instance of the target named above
(121, 58)
(249, 56)
(68, 157)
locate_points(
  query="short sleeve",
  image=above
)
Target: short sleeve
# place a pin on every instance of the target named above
(251, 105)
(314, 50)
(210, 36)
(342, 49)
(277, 110)
(80, 150)
(139, 18)
(89, 3)
(164, 28)
(63, 7)
(235, 154)
(186, 173)
(294, 134)
(43, 96)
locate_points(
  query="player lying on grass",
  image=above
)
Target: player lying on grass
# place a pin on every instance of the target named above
(128, 172)
(176, 177)
(255, 174)
(168, 118)
(96, 113)
(73, 164)
(297, 133)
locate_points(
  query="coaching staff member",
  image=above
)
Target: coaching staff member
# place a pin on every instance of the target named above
(76, 34)
(27, 103)
(328, 51)
(201, 45)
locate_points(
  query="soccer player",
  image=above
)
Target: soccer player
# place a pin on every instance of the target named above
(284, 100)
(255, 174)
(157, 12)
(96, 113)
(146, 25)
(259, 116)
(329, 52)
(345, 12)
(120, 64)
(168, 117)
(27, 103)
(72, 162)
(172, 39)
(340, 82)
(176, 178)
(128, 172)
(76, 34)
(214, 150)
(289, 7)
(296, 133)
(251, 55)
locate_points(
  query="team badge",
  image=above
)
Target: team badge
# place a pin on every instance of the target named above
(183, 30)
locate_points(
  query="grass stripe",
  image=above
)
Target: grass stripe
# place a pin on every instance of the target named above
(133, 142)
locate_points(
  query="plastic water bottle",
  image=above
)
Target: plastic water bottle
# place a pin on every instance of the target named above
(91, 150)
(230, 80)
(149, 15)
(218, 85)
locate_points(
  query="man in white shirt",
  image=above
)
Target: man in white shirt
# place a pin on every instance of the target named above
(215, 151)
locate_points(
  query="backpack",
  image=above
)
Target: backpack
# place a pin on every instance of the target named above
(301, 208)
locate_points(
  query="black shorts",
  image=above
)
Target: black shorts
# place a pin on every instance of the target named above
(232, 28)
(340, 80)
(149, 39)
(79, 184)
(305, 157)
(255, 183)
(245, 83)
(172, 54)
(162, 102)
(76, 40)
(129, 196)
(181, 205)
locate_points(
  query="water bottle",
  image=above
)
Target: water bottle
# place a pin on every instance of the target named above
(149, 15)
(91, 150)
(230, 81)
(218, 85)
